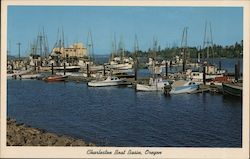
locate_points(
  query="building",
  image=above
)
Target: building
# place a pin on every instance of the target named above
(76, 50)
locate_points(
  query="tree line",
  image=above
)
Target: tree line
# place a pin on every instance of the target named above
(216, 51)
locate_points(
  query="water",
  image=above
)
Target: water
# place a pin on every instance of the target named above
(119, 116)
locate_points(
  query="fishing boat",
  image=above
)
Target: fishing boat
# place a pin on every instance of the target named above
(155, 84)
(182, 86)
(30, 76)
(55, 78)
(109, 81)
(234, 89)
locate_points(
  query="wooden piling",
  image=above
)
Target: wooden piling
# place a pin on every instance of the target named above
(236, 77)
(166, 69)
(104, 70)
(184, 65)
(35, 66)
(135, 70)
(64, 69)
(204, 75)
(52, 68)
(238, 68)
(219, 65)
(88, 74)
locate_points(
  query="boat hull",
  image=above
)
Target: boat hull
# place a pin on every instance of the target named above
(55, 79)
(104, 84)
(232, 90)
(141, 87)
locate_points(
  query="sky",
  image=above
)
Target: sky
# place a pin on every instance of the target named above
(162, 23)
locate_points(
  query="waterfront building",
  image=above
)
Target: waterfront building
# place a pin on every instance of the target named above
(77, 50)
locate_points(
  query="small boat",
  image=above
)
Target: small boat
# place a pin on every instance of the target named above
(155, 84)
(109, 81)
(55, 78)
(30, 76)
(182, 86)
(234, 89)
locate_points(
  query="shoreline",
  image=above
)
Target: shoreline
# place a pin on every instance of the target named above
(19, 134)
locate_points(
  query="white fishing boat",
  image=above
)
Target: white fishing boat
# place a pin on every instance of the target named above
(30, 76)
(109, 81)
(198, 76)
(155, 84)
(182, 86)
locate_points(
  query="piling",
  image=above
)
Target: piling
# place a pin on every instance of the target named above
(166, 69)
(236, 77)
(204, 75)
(35, 66)
(52, 68)
(104, 70)
(135, 67)
(64, 69)
(88, 70)
(219, 65)
(184, 66)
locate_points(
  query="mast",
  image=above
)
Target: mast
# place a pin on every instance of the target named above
(90, 46)
(121, 49)
(208, 41)
(136, 49)
(9, 48)
(184, 47)
(19, 55)
(62, 47)
(154, 56)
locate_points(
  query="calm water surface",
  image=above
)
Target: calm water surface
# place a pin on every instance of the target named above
(120, 116)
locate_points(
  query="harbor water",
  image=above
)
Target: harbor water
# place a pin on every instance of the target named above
(120, 116)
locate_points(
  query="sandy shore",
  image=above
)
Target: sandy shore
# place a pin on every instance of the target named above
(23, 135)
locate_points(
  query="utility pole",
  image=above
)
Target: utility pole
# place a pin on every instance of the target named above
(19, 56)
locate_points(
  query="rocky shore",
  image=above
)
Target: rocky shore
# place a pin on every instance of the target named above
(23, 135)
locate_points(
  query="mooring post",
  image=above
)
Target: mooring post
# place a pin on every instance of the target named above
(35, 66)
(104, 70)
(166, 69)
(64, 69)
(236, 77)
(88, 70)
(135, 68)
(184, 65)
(52, 68)
(239, 74)
(204, 75)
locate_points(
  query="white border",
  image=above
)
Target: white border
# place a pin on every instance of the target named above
(80, 152)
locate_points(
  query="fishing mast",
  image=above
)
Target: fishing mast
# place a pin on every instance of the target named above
(90, 46)
(184, 47)
(208, 42)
